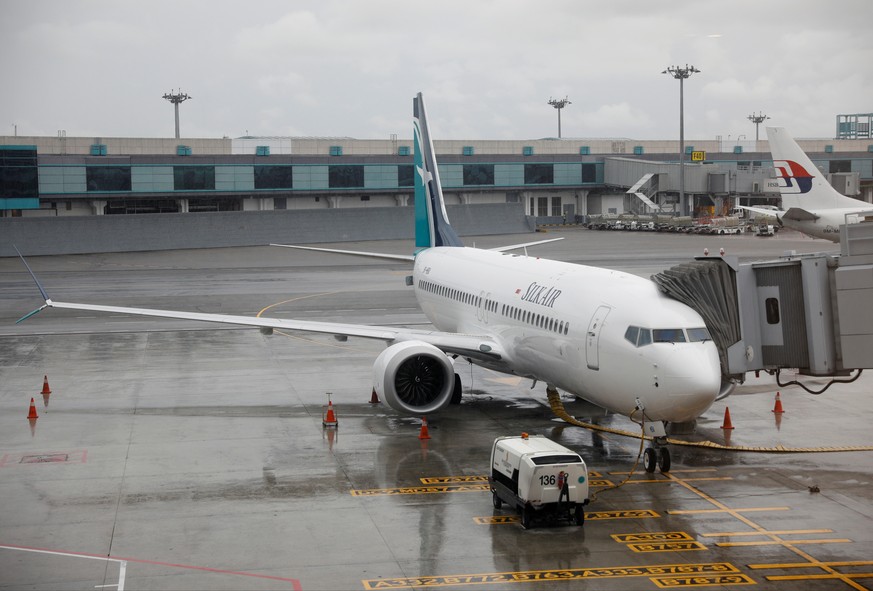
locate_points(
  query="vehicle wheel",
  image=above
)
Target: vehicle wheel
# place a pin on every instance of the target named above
(649, 460)
(664, 460)
(457, 391)
(580, 515)
(495, 500)
(525, 518)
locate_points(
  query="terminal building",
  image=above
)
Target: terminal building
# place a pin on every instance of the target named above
(551, 180)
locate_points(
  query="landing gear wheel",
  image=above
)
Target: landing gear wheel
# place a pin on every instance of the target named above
(664, 460)
(495, 500)
(649, 459)
(457, 391)
(525, 518)
(580, 515)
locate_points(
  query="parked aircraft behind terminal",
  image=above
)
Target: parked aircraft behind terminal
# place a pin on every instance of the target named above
(609, 337)
(809, 203)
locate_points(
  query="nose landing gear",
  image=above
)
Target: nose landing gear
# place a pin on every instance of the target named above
(657, 456)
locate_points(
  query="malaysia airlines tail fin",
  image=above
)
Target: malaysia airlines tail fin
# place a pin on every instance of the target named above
(801, 183)
(432, 226)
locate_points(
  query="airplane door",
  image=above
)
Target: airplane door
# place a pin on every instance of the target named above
(592, 340)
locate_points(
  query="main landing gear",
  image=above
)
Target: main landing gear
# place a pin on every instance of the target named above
(657, 456)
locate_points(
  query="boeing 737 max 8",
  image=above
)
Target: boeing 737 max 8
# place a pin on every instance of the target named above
(810, 204)
(609, 337)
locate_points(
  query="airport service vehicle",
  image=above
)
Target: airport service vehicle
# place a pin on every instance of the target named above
(811, 204)
(765, 230)
(538, 478)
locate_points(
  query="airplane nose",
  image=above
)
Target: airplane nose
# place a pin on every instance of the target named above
(692, 378)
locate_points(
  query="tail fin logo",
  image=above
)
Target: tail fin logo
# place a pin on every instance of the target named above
(793, 178)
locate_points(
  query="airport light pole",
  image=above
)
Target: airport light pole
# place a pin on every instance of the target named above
(680, 74)
(757, 120)
(176, 98)
(559, 104)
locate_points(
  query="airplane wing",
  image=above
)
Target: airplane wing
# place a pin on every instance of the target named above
(376, 255)
(772, 213)
(474, 346)
(404, 257)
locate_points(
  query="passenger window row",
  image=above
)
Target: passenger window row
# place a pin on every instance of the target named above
(527, 316)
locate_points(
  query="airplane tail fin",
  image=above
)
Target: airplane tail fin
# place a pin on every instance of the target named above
(801, 183)
(432, 226)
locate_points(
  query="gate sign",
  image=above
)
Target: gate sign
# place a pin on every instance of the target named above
(698, 156)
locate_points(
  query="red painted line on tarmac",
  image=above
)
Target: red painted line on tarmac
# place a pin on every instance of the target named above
(295, 583)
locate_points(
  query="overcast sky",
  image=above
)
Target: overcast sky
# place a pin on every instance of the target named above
(486, 67)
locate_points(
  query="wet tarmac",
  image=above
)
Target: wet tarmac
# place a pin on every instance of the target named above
(177, 455)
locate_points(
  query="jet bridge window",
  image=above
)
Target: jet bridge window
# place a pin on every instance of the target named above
(771, 307)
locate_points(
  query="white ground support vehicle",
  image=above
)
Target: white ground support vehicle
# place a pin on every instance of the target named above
(539, 478)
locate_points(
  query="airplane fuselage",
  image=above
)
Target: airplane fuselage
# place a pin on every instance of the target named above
(568, 325)
(827, 222)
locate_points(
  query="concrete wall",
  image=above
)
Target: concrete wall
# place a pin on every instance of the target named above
(125, 233)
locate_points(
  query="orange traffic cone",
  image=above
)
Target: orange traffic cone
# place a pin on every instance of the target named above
(45, 386)
(374, 398)
(329, 419)
(727, 419)
(778, 408)
(424, 434)
(31, 414)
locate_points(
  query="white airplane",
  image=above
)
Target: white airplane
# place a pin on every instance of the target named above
(608, 337)
(809, 203)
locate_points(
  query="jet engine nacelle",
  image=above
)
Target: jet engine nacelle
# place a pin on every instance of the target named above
(414, 378)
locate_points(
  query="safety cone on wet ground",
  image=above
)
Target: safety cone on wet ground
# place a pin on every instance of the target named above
(778, 408)
(45, 386)
(424, 434)
(329, 419)
(31, 414)
(727, 419)
(374, 398)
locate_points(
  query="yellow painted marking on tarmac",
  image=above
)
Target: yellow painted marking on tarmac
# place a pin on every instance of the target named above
(702, 581)
(787, 544)
(842, 576)
(631, 514)
(593, 474)
(496, 519)
(783, 542)
(678, 471)
(661, 480)
(666, 546)
(452, 479)
(663, 571)
(592, 516)
(654, 536)
(836, 563)
(777, 532)
(599, 483)
(419, 490)
(727, 510)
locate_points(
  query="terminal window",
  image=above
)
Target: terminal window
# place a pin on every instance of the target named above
(194, 178)
(107, 178)
(18, 173)
(478, 174)
(343, 177)
(539, 174)
(273, 177)
(405, 175)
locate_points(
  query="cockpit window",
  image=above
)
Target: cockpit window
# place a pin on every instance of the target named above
(631, 334)
(696, 335)
(668, 335)
(645, 337)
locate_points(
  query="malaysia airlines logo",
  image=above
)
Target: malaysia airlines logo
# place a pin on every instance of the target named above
(793, 178)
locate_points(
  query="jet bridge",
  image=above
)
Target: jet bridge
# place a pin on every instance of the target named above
(813, 312)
